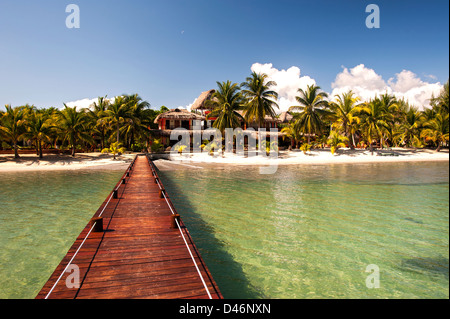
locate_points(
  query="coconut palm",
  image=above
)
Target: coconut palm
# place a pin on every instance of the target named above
(313, 110)
(98, 116)
(336, 140)
(114, 148)
(375, 118)
(411, 126)
(290, 131)
(117, 114)
(13, 126)
(73, 126)
(260, 98)
(442, 100)
(39, 129)
(437, 130)
(225, 104)
(137, 126)
(345, 119)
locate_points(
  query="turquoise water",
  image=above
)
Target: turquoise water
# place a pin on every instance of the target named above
(311, 231)
(305, 232)
(41, 215)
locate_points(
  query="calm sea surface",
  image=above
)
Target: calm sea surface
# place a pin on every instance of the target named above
(311, 231)
(41, 215)
(305, 232)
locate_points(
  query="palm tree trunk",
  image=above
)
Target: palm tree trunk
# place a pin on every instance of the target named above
(353, 141)
(118, 133)
(439, 146)
(40, 149)
(103, 138)
(16, 152)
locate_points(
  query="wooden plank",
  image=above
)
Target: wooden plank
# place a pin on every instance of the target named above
(138, 255)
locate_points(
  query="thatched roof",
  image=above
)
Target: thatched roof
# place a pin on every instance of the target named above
(267, 118)
(179, 114)
(199, 104)
(285, 117)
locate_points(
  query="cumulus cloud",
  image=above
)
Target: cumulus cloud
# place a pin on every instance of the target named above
(363, 81)
(288, 82)
(366, 83)
(84, 103)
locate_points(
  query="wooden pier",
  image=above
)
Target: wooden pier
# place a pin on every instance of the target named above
(136, 246)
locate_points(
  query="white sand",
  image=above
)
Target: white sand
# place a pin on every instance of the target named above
(105, 161)
(343, 156)
(64, 162)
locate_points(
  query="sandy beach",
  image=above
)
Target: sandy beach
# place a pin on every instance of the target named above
(315, 157)
(64, 162)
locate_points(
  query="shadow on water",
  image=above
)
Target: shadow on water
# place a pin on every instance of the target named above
(434, 266)
(227, 273)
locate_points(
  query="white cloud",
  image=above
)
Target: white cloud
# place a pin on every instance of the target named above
(288, 82)
(363, 81)
(366, 83)
(188, 107)
(84, 103)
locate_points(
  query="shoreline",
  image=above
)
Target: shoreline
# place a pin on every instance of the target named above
(30, 163)
(316, 157)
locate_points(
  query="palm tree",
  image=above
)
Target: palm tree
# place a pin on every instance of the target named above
(13, 126)
(437, 130)
(343, 107)
(117, 113)
(375, 120)
(260, 99)
(290, 131)
(336, 140)
(115, 148)
(411, 126)
(73, 125)
(97, 115)
(137, 126)
(225, 104)
(442, 100)
(39, 129)
(313, 108)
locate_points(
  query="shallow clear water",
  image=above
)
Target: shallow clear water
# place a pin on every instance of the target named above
(311, 231)
(41, 215)
(305, 232)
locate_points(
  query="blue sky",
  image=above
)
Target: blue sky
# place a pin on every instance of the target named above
(170, 51)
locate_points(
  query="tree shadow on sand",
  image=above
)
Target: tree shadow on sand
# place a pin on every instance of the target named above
(227, 273)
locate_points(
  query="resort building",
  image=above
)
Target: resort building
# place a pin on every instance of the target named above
(201, 106)
(176, 118)
(181, 118)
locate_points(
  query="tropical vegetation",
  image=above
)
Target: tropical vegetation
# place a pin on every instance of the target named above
(127, 122)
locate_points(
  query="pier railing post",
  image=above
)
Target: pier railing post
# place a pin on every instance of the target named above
(97, 222)
(174, 219)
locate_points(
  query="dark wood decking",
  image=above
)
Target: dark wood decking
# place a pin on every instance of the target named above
(139, 254)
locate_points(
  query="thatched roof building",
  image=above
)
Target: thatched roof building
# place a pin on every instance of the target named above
(285, 117)
(180, 115)
(200, 103)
